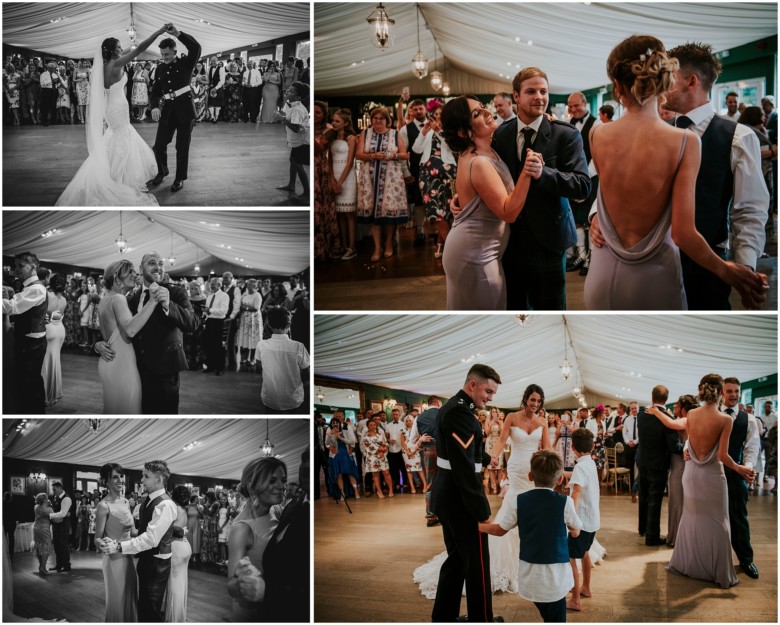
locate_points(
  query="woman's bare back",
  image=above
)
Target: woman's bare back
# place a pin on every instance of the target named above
(637, 161)
(705, 426)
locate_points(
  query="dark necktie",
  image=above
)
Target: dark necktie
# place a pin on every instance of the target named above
(576, 120)
(634, 428)
(730, 412)
(146, 298)
(528, 134)
(683, 121)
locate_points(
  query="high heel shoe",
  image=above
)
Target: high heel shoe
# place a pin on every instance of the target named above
(439, 250)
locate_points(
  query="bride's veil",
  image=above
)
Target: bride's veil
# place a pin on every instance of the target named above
(92, 185)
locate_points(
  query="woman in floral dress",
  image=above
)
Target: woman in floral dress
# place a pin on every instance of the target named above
(381, 187)
(11, 82)
(493, 430)
(140, 96)
(563, 440)
(438, 167)
(81, 78)
(250, 329)
(232, 110)
(374, 447)
(598, 425)
(411, 455)
(327, 243)
(209, 546)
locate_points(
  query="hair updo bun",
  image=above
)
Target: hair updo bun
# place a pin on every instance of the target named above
(641, 66)
(710, 388)
(107, 48)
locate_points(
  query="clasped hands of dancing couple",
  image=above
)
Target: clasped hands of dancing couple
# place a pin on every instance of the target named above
(120, 163)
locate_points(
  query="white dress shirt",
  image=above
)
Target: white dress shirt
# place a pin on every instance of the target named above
(282, 360)
(162, 518)
(424, 144)
(586, 476)
(751, 198)
(543, 582)
(65, 504)
(630, 431)
(394, 430)
(752, 444)
(404, 133)
(218, 304)
(253, 78)
(31, 295)
(521, 139)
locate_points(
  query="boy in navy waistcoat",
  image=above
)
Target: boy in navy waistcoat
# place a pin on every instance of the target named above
(543, 517)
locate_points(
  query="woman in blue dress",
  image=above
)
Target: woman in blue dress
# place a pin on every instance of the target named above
(341, 461)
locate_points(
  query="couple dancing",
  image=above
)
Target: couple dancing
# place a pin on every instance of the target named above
(136, 594)
(646, 199)
(142, 353)
(120, 163)
(485, 563)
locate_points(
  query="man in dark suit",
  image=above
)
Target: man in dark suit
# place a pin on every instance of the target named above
(744, 447)
(459, 500)
(656, 443)
(159, 346)
(534, 262)
(172, 107)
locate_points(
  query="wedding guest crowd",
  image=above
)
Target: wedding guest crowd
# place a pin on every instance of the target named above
(229, 91)
(242, 331)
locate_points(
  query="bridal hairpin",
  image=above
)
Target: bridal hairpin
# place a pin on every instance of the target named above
(648, 53)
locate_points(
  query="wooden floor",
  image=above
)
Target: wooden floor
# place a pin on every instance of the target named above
(229, 165)
(414, 280)
(199, 393)
(79, 596)
(364, 561)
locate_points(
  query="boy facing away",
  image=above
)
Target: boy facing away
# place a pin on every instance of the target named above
(542, 517)
(584, 485)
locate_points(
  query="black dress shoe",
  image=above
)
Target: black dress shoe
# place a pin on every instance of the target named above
(178, 185)
(750, 570)
(157, 179)
(576, 264)
(655, 542)
(584, 270)
(220, 372)
(65, 569)
(56, 568)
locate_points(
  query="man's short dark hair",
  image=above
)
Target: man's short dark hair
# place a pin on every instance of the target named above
(28, 258)
(417, 102)
(607, 110)
(582, 440)
(483, 373)
(732, 93)
(546, 467)
(56, 484)
(700, 59)
(302, 89)
(731, 380)
(168, 43)
(159, 467)
(660, 394)
(278, 318)
(433, 398)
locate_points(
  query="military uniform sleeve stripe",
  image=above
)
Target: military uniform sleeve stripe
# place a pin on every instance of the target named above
(460, 440)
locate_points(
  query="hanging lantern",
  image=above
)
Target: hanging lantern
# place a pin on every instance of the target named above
(419, 62)
(445, 88)
(381, 22)
(436, 80)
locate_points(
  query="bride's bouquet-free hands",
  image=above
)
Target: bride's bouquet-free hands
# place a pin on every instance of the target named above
(107, 545)
(250, 581)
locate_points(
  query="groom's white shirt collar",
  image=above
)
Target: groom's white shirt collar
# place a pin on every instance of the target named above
(156, 494)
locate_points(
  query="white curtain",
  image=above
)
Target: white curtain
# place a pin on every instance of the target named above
(75, 29)
(611, 354)
(273, 242)
(224, 447)
(571, 41)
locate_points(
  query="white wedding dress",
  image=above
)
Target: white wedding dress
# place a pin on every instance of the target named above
(120, 162)
(504, 550)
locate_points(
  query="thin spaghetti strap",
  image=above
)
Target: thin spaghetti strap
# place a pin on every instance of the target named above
(682, 147)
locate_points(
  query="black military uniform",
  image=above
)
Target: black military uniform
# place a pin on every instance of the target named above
(459, 500)
(176, 111)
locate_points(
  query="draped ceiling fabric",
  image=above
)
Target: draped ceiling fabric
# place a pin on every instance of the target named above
(224, 447)
(76, 29)
(425, 353)
(571, 41)
(263, 242)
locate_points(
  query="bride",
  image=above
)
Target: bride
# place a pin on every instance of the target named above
(528, 432)
(120, 377)
(120, 161)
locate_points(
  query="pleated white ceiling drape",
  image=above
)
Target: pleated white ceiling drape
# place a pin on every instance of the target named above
(273, 242)
(225, 445)
(76, 29)
(612, 355)
(571, 41)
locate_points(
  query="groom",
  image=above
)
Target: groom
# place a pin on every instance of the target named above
(459, 501)
(159, 346)
(153, 543)
(172, 107)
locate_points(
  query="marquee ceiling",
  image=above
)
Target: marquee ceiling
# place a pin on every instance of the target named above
(263, 242)
(76, 29)
(570, 41)
(224, 446)
(614, 356)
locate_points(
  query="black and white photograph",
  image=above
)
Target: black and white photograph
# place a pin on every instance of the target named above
(156, 520)
(156, 312)
(156, 103)
(527, 468)
(545, 156)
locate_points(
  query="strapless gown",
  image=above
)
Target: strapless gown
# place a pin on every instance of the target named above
(131, 162)
(504, 550)
(121, 380)
(646, 276)
(702, 549)
(472, 255)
